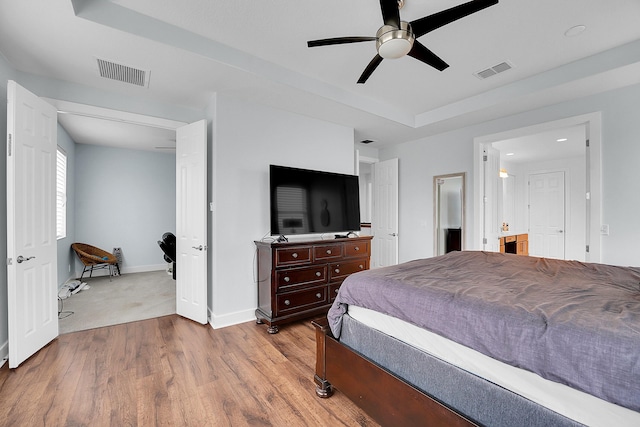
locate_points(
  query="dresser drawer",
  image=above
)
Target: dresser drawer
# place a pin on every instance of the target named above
(339, 270)
(293, 256)
(353, 249)
(292, 302)
(300, 277)
(327, 252)
(333, 290)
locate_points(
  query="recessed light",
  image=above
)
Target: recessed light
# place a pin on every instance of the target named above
(575, 30)
(510, 154)
(561, 139)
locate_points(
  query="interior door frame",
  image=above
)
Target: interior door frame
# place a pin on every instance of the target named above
(593, 126)
(68, 107)
(374, 249)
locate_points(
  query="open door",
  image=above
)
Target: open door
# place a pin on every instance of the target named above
(384, 247)
(191, 221)
(31, 223)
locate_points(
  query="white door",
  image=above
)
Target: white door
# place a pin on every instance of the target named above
(31, 223)
(384, 246)
(546, 215)
(191, 221)
(491, 231)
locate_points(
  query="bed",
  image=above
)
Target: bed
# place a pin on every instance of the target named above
(482, 338)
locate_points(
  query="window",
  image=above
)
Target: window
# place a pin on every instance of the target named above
(61, 194)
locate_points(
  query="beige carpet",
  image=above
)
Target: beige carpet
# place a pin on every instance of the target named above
(125, 298)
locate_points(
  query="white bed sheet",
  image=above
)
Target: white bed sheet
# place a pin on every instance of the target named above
(577, 405)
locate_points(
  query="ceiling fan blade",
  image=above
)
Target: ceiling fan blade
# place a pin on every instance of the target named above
(429, 23)
(421, 53)
(390, 12)
(339, 40)
(370, 68)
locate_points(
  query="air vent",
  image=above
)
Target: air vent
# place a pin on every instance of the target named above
(122, 73)
(366, 141)
(492, 71)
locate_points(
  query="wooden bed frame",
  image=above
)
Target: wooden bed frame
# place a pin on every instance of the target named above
(386, 398)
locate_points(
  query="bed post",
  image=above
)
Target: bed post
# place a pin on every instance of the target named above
(323, 387)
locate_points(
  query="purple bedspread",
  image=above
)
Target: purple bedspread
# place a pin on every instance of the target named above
(570, 322)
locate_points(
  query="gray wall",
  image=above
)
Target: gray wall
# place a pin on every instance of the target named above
(126, 199)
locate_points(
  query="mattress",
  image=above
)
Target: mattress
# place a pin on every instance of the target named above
(569, 322)
(571, 403)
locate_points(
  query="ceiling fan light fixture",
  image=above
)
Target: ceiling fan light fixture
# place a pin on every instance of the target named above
(394, 43)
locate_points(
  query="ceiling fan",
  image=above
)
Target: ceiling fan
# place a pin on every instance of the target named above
(397, 38)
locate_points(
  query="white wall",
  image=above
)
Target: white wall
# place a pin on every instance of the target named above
(452, 152)
(126, 199)
(248, 138)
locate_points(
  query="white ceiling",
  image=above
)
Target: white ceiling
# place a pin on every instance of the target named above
(257, 50)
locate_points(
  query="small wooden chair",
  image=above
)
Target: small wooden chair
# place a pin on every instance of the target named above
(93, 257)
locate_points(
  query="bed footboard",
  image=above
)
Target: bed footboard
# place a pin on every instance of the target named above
(385, 397)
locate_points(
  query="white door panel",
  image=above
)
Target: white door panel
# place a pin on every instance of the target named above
(547, 215)
(191, 221)
(384, 247)
(31, 231)
(491, 232)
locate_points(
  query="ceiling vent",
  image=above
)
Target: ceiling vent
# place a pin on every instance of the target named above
(122, 73)
(366, 141)
(492, 71)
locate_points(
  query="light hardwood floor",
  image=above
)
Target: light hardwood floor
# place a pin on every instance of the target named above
(171, 371)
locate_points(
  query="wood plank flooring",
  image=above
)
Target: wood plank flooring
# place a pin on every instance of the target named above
(173, 372)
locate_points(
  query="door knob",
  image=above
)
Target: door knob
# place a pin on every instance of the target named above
(393, 234)
(200, 248)
(22, 259)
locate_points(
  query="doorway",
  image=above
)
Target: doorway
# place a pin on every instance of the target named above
(379, 202)
(547, 215)
(448, 213)
(102, 140)
(506, 205)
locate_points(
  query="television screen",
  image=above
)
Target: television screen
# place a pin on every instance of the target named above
(307, 201)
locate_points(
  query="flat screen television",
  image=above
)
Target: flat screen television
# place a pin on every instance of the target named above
(307, 201)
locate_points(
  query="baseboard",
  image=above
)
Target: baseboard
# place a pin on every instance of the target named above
(231, 319)
(4, 353)
(143, 268)
(128, 270)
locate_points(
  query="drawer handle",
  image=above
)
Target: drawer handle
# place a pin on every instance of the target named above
(318, 274)
(319, 295)
(294, 255)
(357, 248)
(287, 302)
(337, 270)
(328, 251)
(286, 279)
(361, 266)
(336, 291)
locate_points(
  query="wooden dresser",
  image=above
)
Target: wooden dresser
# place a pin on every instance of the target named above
(516, 244)
(298, 280)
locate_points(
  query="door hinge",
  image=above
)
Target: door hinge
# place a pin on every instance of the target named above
(485, 158)
(9, 261)
(9, 146)
(587, 248)
(587, 141)
(484, 240)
